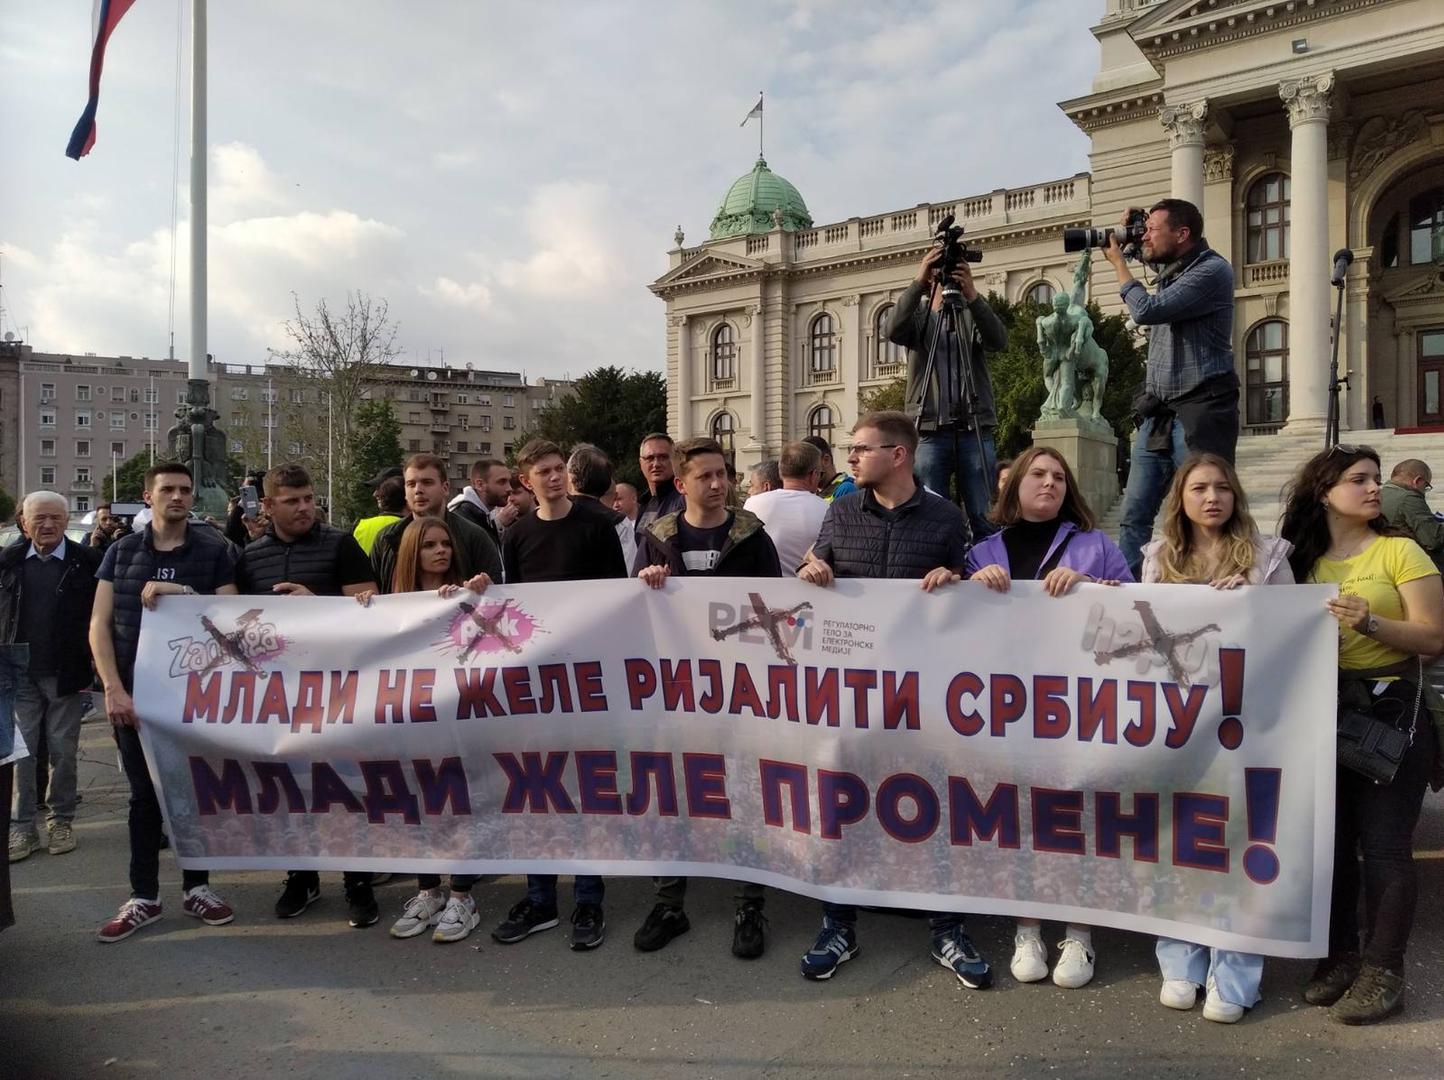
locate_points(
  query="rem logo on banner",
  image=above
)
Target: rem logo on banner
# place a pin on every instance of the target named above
(249, 644)
(757, 624)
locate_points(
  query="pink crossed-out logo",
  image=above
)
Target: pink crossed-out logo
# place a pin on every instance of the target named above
(489, 627)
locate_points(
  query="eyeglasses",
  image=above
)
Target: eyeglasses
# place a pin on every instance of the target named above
(1345, 448)
(863, 448)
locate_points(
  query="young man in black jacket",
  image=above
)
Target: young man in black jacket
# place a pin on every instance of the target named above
(427, 491)
(298, 555)
(704, 538)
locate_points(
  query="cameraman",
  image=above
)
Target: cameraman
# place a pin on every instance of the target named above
(947, 447)
(1189, 402)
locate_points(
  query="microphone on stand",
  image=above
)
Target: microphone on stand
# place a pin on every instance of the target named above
(1342, 258)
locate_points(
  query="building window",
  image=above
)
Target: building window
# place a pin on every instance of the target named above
(82, 504)
(413, 418)
(47, 417)
(1426, 227)
(117, 449)
(483, 448)
(508, 401)
(822, 349)
(47, 476)
(297, 397)
(414, 445)
(1040, 294)
(486, 423)
(483, 399)
(509, 423)
(723, 428)
(47, 447)
(1268, 373)
(180, 397)
(1267, 209)
(887, 358)
(47, 392)
(82, 418)
(82, 474)
(135, 396)
(82, 393)
(821, 421)
(82, 447)
(268, 397)
(240, 419)
(461, 446)
(240, 393)
(465, 421)
(117, 393)
(150, 421)
(117, 420)
(724, 356)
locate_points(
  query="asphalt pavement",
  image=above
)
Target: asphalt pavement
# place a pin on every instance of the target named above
(313, 998)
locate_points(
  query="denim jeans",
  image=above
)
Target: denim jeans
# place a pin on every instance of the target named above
(1236, 975)
(943, 455)
(1149, 474)
(940, 923)
(146, 823)
(672, 891)
(1379, 823)
(39, 709)
(541, 889)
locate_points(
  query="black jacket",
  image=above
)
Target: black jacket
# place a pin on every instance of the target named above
(476, 552)
(747, 552)
(478, 517)
(312, 560)
(913, 325)
(72, 602)
(859, 538)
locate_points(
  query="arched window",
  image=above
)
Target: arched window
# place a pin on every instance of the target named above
(887, 358)
(1267, 209)
(1426, 227)
(723, 428)
(724, 356)
(821, 421)
(1040, 294)
(822, 349)
(1267, 379)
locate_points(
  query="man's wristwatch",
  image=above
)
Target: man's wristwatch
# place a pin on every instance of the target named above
(1371, 626)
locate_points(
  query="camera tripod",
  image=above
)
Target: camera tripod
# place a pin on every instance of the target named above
(965, 409)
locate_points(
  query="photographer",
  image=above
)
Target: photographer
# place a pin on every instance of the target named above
(108, 528)
(1189, 402)
(947, 447)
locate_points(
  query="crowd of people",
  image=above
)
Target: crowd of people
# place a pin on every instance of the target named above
(911, 505)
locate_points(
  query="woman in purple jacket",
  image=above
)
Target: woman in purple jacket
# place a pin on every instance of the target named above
(1047, 535)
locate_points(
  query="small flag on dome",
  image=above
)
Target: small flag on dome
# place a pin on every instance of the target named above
(756, 111)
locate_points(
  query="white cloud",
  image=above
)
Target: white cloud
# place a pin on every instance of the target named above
(460, 294)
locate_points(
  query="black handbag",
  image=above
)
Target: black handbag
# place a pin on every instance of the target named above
(1373, 741)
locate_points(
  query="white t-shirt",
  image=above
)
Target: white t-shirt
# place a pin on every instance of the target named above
(792, 520)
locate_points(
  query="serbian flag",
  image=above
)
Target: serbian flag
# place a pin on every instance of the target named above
(105, 15)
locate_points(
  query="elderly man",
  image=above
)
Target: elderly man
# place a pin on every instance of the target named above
(1405, 507)
(46, 590)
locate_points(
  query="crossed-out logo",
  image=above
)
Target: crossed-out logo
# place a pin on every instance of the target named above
(1189, 653)
(757, 624)
(249, 644)
(488, 627)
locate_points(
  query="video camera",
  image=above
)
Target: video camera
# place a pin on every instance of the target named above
(1129, 234)
(949, 237)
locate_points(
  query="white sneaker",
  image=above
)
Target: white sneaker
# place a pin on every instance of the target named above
(1178, 994)
(1218, 1010)
(1075, 966)
(457, 921)
(1030, 956)
(421, 912)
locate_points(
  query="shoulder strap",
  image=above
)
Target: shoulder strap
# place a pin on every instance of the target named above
(1051, 563)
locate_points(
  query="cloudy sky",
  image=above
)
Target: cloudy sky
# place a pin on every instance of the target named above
(507, 176)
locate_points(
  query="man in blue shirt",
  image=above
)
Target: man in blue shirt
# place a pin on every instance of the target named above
(1190, 399)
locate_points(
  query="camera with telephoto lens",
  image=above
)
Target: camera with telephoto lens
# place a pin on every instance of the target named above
(1129, 234)
(949, 237)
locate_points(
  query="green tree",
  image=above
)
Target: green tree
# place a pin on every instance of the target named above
(374, 444)
(890, 395)
(130, 477)
(611, 409)
(7, 505)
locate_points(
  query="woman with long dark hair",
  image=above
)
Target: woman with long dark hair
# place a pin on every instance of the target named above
(1390, 610)
(425, 562)
(1208, 537)
(1047, 535)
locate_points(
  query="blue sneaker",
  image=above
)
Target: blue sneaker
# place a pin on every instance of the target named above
(956, 952)
(835, 945)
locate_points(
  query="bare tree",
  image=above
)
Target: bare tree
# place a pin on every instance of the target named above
(339, 355)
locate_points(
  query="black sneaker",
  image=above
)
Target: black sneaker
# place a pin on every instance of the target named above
(522, 921)
(300, 892)
(588, 927)
(361, 907)
(749, 935)
(1332, 979)
(660, 927)
(1376, 995)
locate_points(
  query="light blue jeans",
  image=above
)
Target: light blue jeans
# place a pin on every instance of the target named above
(945, 455)
(1149, 474)
(1236, 975)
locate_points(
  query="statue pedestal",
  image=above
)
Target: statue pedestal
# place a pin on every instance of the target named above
(1091, 450)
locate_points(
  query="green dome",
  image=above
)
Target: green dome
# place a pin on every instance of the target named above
(748, 205)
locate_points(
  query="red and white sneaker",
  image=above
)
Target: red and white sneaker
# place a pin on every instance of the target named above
(201, 903)
(133, 914)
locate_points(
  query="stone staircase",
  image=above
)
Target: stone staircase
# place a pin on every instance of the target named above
(1266, 463)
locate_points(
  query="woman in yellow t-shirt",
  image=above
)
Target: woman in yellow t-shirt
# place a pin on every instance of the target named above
(1391, 611)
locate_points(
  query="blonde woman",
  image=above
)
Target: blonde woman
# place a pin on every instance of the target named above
(1209, 538)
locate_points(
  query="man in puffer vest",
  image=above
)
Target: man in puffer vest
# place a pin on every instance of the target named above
(298, 555)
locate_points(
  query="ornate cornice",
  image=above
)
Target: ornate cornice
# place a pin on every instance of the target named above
(1201, 26)
(1218, 163)
(1097, 111)
(1308, 100)
(1184, 122)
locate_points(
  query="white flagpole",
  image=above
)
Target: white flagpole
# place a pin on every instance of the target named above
(761, 119)
(198, 193)
(153, 413)
(270, 419)
(330, 458)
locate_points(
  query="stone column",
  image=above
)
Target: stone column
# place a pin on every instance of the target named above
(757, 377)
(1308, 101)
(1184, 123)
(684, 375)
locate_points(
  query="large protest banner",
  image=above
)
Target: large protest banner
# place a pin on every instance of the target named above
(1155, 758)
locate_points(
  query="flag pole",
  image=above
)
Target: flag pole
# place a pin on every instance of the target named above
(198, 394)
(761, 120)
